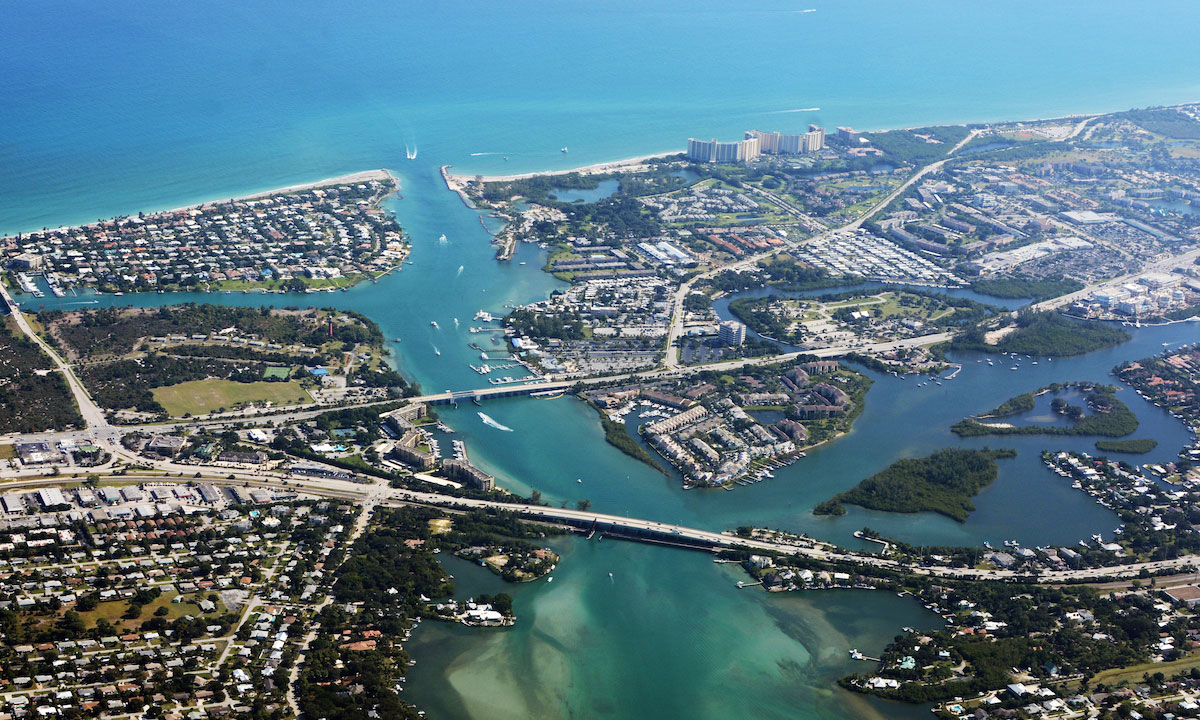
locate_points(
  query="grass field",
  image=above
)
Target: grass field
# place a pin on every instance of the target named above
(114, 609)
(1133, 673)
(203, 396)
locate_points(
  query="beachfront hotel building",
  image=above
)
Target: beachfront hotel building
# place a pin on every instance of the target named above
(814, 139)
(711, 151)
(776, 143)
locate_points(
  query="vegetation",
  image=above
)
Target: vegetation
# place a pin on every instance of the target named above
(1110, 418)
(1045, 334)
(116, 331)
(545, 325)
(1033, 638)
(1021, 286)
(1135, 446)
(198, 397)
(31, 401)
(905, 146)
(1014, 405)
(782, 271)
(1165, 121)
(943, 482)
(757, 315)
(617, 435)
(123, 371)
(129, 384)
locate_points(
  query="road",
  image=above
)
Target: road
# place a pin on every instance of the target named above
(93, 416)
(373, 495)
(675, 329)
(1165, 265)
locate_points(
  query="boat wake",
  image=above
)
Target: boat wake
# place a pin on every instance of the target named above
(442, 239)
(410, 153)
(487, 420)
(460, 271)
(484, 153)
(797, 110)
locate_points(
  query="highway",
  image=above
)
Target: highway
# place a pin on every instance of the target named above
(379, 494)
(99, 430)
(675, 329)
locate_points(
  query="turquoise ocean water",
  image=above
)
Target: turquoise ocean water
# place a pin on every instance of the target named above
(123, 107)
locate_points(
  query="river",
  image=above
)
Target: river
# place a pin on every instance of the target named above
(136, 106)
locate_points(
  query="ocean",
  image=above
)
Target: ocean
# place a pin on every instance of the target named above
(121, 107)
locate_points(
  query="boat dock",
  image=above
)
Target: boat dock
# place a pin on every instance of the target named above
(886, 545)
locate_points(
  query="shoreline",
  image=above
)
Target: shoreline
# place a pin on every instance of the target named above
(593, 169)
(606, 166)
(349, 178)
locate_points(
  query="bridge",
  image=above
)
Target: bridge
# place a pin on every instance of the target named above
(453, 397)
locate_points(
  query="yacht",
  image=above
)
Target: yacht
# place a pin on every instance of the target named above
(564, 150)
(433, 323)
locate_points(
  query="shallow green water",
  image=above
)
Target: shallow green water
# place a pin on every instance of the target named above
(667, 636)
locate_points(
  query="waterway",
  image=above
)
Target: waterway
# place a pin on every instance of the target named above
(596, 645)
(138, 106)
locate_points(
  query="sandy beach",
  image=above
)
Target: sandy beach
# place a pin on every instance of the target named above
(356, 177)
(598, 168)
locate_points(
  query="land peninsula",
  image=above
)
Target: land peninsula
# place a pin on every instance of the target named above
(320, 236)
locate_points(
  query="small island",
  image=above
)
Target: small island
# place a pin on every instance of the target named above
(943, 482)
(1132, 446)
(1108, 416)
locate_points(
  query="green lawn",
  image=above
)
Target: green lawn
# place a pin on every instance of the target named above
(203, 396)
(273, 372)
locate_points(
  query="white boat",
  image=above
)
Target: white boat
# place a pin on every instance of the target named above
(433, 323)
(564, 149)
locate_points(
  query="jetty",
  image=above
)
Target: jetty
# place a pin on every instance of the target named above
(456, 186)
